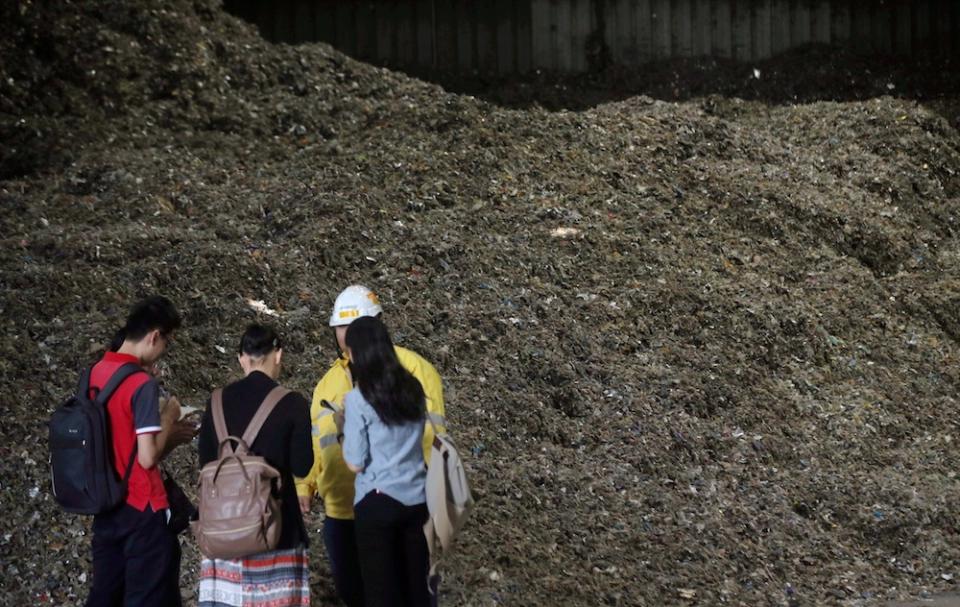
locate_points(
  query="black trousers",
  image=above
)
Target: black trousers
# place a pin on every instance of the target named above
(340, 539)
(394, 560)
(136, 560)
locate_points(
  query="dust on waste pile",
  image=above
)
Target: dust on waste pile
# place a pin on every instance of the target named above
(695, 353)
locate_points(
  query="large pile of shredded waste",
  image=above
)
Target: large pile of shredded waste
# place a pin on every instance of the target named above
(696, 352)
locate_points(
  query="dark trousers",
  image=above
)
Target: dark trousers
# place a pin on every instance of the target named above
(136, 560)
(394, 559)
(340, 539)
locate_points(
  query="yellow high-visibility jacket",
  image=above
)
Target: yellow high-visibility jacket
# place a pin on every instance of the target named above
(330, 478)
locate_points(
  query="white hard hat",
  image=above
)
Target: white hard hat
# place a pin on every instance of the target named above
(352, 303)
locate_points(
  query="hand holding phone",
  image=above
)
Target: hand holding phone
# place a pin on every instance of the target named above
(191, 415)
(170, 409)
(187, 410)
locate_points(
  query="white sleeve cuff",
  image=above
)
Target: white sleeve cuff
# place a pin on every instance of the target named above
(149, 430)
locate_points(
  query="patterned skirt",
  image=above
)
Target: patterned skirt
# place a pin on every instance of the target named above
(270, 579)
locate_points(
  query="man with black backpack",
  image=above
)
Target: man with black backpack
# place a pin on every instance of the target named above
(136, 559)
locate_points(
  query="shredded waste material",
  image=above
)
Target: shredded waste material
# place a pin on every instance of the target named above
(695, 352)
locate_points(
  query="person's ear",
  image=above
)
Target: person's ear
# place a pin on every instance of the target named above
(279, 356)
(153, 337)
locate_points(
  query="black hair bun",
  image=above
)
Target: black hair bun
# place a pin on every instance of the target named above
(259, 340)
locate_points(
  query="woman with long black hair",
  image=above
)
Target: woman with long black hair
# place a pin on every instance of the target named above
(381, 443)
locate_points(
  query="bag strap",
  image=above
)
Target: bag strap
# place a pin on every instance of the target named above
(429, 530)
(119, 376)
(266, 407)
(83, 384)
(228, 442)
(103, 397)
(432, 425)
(219, 421)
(133, 456)
(436, 554)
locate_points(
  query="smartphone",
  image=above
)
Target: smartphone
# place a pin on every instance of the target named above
(187, 411)
(191, 414)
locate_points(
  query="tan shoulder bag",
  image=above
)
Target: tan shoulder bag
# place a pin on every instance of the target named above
(238, 512)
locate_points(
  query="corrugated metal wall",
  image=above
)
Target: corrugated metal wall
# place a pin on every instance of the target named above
(505, 37)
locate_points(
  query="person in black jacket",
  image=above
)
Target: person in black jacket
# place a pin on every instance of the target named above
(282, 575)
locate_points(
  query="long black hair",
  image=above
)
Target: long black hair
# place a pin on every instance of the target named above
(396, 395)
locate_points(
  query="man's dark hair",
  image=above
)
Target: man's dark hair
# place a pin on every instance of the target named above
(259, 340)
(395, 394)
(156, 312)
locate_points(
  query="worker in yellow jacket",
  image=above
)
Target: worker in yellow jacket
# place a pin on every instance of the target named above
(330, 478)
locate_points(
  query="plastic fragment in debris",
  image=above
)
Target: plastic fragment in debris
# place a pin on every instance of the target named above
(259, 306)
(564, 232)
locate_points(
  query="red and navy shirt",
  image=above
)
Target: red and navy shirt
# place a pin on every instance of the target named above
(133, 409)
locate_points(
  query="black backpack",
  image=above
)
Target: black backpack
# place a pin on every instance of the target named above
(81, 453)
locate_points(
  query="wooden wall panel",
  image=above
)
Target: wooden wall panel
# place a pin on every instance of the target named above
(682, 29)
(902, 29)
(761, 30)
(942, 12)
(524, 29)
(642, 21)
(541, 35)
(386, 43)
(504, 28)
(486, 32)
(323, 21)
(614, 31)
(800, 23)
(921, 36)
(345, 34)
(883, 28)
(365, 30)
(702, 27)
(722, 41)
(560, 11)
(820, 22)
(632, 14)
(861, 15)
(840, 21)
(264, 21)
(466, 36)
(406, 32)
(283, 22)
(424, 34)
(517, 36)
(955, 27)
(780, 26)
(446, 33)
(661, 39)
(303, 21)
(581, 26)
(741, 30)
